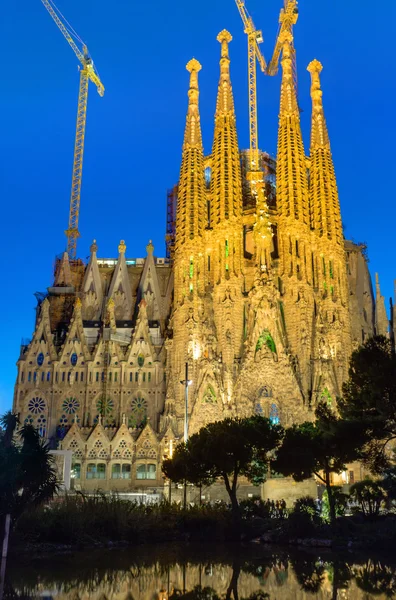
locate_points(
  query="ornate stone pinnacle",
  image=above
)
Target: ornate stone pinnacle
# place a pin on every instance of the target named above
(122, 247)
(193, 65)
(150, 248)
(78, 303)
(110, 303)
(93, 248)
(284, 37)
(315, 66)
(224, 36)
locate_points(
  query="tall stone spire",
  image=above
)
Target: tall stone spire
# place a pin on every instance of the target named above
(381, 318)
(191, 193)
(191, 205)
(225, 242)
(325, 207)
(226, 182)
(291, 171)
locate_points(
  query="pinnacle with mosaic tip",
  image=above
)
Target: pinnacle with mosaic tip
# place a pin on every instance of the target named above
(122, 247)
(93, 248)
(193, 65)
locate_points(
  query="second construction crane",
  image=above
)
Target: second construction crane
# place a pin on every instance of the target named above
(87, 73)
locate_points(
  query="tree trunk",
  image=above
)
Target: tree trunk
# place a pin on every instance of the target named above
(233, 587)
(234, 504)
(330, 496)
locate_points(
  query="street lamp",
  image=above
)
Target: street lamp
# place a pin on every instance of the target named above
(186, 382)
(170, 481)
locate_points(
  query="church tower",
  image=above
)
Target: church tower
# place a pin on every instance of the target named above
(295, 268)
(186, 343)
(332, 345)
(225, 243)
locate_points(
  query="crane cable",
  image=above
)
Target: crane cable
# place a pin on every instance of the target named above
(69, 27)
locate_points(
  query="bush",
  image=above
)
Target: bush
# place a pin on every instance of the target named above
(254, 507)
(340, 501)
(370, 495)
(304, 517)
(97, 519)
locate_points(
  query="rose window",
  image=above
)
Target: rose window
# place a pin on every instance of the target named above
(70, 405)
(36, 405)
(139, 405)
(105, 406)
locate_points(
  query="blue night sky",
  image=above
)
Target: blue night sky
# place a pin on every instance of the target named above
(135, 133)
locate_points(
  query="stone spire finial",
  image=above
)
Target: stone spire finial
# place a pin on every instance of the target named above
(150, 248)
(319, 135)
(93, 248)
(78, 304)
(224, 38)
(122, 247)
(193, 128)
(123, 418)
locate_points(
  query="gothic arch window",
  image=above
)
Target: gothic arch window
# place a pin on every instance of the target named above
(42, 425)
(36, 405)
(266, 339)
(140, 360)
(274, 414)
(40, 359)
(74, 359)
(70, 406)
(265, 392)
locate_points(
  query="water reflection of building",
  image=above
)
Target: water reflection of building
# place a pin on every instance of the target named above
(265, 303)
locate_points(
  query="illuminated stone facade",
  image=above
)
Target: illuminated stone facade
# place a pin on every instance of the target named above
(265, 304)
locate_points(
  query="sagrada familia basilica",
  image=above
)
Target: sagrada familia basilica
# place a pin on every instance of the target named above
(264, 301)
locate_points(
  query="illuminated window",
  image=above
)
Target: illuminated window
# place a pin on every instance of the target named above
(76, 472)
(40, 359)
(140, 360)
(149, 377)
(116, 471)
(126, 472)
(146, 471)
(74, 359)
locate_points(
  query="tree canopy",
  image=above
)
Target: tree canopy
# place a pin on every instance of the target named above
(226, 450)
(319, 448)
(369, 397)
(27, 471)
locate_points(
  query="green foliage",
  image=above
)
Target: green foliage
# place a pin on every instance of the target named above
(304, 517)
(340, 502)
(98, 518)
(27, 471)
(369, 397)
(370, 495)
(319, 448)
(254, 507)
(226, 449)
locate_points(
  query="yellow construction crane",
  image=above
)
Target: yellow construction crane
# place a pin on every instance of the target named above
(255, 38)
(287, 19)
(87, 73)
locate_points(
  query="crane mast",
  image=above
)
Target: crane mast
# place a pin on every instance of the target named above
(87, 73)
(255, 38)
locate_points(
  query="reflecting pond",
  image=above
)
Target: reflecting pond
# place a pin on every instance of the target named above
(204, 572)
